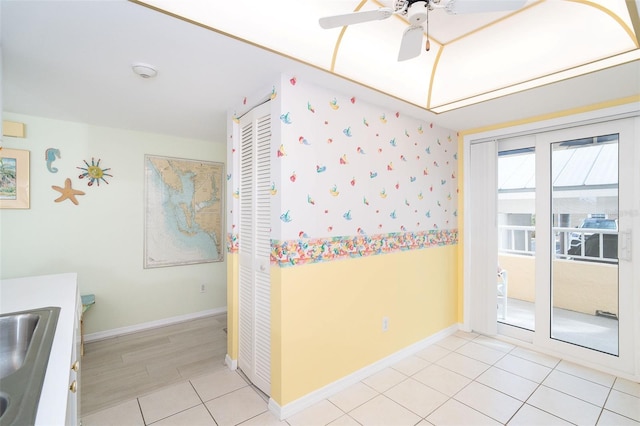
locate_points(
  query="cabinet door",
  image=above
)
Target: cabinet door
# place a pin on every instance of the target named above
(73, 400)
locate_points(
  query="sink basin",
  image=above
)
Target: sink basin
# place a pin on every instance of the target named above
(25, 344)
(4, 403)
(16, 332)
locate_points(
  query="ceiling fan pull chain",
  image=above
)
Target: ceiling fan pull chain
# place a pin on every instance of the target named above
(427, 45)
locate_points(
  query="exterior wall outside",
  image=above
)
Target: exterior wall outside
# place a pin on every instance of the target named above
(578, 286)
(585, 286)
(101, 238)
(521, 273)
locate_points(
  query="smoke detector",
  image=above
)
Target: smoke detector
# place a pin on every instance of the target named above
(144, 70)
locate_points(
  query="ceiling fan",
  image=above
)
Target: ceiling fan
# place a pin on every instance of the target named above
(417, 13)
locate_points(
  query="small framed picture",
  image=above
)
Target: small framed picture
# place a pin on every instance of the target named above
(14, 178)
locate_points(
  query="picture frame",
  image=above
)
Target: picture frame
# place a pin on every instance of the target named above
(14, 178)
(184, 211)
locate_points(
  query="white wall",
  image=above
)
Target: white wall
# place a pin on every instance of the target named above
(102, 238)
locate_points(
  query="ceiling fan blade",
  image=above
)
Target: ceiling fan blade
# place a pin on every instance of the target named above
(355, 18)
(459, 7)
(411, 44)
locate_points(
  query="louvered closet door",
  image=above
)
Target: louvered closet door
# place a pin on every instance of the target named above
(254, 248)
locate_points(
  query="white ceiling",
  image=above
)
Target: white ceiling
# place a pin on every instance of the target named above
(71, 60)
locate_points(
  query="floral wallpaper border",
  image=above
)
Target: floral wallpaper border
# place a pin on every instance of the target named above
(303, 251)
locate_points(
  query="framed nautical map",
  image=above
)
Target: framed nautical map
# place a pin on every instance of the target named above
(184, 220)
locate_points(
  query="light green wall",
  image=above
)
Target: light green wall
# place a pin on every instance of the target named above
(102, 238)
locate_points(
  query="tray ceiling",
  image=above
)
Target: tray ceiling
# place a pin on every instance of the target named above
(473, 57)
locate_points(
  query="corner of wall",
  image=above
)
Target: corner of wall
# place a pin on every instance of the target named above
(461, 218)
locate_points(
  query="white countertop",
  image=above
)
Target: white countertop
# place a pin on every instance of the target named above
(21, 294)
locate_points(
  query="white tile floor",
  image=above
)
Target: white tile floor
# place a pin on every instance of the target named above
(464, 379)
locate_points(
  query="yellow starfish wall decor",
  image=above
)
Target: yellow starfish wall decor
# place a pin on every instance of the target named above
(67, 192)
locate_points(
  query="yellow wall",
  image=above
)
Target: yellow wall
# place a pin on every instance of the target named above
(232, 305)
(327, 317)
(461, 225)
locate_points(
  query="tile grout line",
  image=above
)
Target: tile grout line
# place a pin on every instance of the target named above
(409, 409)
(540, 384)
(606, 399)
(475, 380)
(523, 403)
(340, 409)
(468, 406)
(202, 402)
(368, 400)
(261, 394)
(452, 397)
(141, 413)
(538, 387)
(582, 378)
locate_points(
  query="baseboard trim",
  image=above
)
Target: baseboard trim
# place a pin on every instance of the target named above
(101, 335)
(287, 410)
(231, 363)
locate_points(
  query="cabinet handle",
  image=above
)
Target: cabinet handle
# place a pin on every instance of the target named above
(75, 366)
(73, 387)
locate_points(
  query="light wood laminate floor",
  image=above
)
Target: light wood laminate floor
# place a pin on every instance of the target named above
(122, 368)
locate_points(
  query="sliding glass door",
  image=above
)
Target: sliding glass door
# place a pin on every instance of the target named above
(560, 207)
(516, 193)
(584, 266)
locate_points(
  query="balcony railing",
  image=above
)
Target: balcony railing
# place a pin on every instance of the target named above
(570, 243)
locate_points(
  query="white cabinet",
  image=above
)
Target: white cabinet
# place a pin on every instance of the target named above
(57, 404)
(73, 398)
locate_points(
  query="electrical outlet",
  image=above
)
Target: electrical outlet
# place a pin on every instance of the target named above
(385, 323)
(202, 288)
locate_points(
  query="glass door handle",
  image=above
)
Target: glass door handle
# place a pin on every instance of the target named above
(625, 245)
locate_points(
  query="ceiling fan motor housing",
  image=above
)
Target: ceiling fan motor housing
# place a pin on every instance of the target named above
(417, 13)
